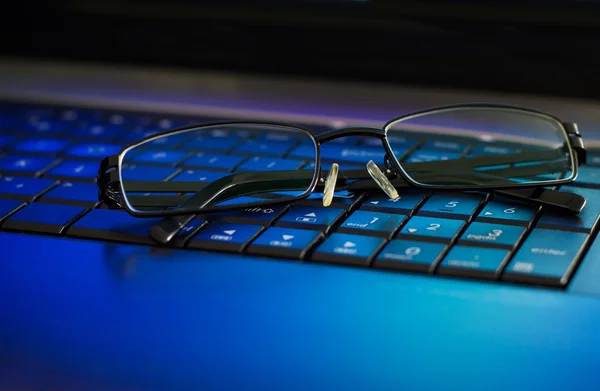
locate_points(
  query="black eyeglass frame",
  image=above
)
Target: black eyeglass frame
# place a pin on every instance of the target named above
(110, 178)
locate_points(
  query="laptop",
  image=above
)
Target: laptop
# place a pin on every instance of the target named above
(259, 298)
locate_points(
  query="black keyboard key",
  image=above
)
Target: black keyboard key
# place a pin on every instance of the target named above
(24, 188)
(546, 257)
(114, 225)
(407, 202)
(491, 234)
(451, 205)
(504, 211)
(72, 193)
(588, 177)
(474, 262)
(41, 146)
(410, 255)
(584, 221)
(46, 218)
(77, 170)
(8, 206)
(431, 229)
(25, 165)
(187, 232)
(95, 131)
(253, 215)
(224, 236)
(285, 242)
(348, 249)
(308, 217)
(364, 222)
(341, 199)
(95, 151)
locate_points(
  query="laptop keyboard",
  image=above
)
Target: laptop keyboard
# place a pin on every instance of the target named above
(49, 159)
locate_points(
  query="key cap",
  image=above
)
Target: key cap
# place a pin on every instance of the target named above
(407, 202)
(433, 228)
(212, 144)
(486, 150)
(502, 211)
(43, 127)
(18, 164)
(187, 232)
(395, 141)
(410, 255)
(95, 131)
(363, 222)
(263, 148)
(475, 262)
(490, 234)
(546, 257)
(584, 221)
(259, 215)
(198, 176)
(93, 150)
(451, 205)
(115, 225)
(311, 218)
(269, 164)
(339, 153)
(9, 206)
(5, 140)
(24, 188)
(285, 242)
(348, 249)
(41, 146)
(427, 155)
(224, 236)
(74, 170)
(72, 193)
(341, 199)
(46, 218)
(588, 177)
(213, 161)
(440, 145)
(139, 172)
(157, 156)
(284, 137)
(592, 160)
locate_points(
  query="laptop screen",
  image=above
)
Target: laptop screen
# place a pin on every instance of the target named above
(533, 46)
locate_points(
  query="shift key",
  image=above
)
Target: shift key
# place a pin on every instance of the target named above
(547, 257)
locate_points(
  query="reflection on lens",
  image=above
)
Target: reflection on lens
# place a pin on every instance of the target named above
(218, 165)
(482, 146)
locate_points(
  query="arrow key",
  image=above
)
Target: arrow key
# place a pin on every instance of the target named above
(285, 242)
(224, 236)
(311, 218)
(348, 249)
(405, 204)
(261, 215)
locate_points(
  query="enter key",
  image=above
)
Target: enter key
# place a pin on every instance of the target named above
(547, 257)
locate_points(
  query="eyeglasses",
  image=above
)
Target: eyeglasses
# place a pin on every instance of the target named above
(220, 166)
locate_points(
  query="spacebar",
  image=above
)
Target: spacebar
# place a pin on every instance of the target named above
(113, 225)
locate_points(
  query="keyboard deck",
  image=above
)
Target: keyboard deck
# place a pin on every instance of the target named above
(49, 158)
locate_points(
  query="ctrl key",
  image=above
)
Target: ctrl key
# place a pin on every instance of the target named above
(547, 257)
(348, 249)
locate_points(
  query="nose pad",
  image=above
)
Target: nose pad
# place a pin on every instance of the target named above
(382, 181)
(330, 184)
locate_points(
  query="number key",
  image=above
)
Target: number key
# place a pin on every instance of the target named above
(493, 234)
(440, 230)
(461, 206)
(410, 255)
(506, 212)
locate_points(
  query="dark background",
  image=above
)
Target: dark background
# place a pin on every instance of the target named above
(527, 46)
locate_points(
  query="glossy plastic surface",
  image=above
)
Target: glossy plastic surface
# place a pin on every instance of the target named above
(82, 315)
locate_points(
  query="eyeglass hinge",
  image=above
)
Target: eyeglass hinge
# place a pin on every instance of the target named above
(576, 141)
